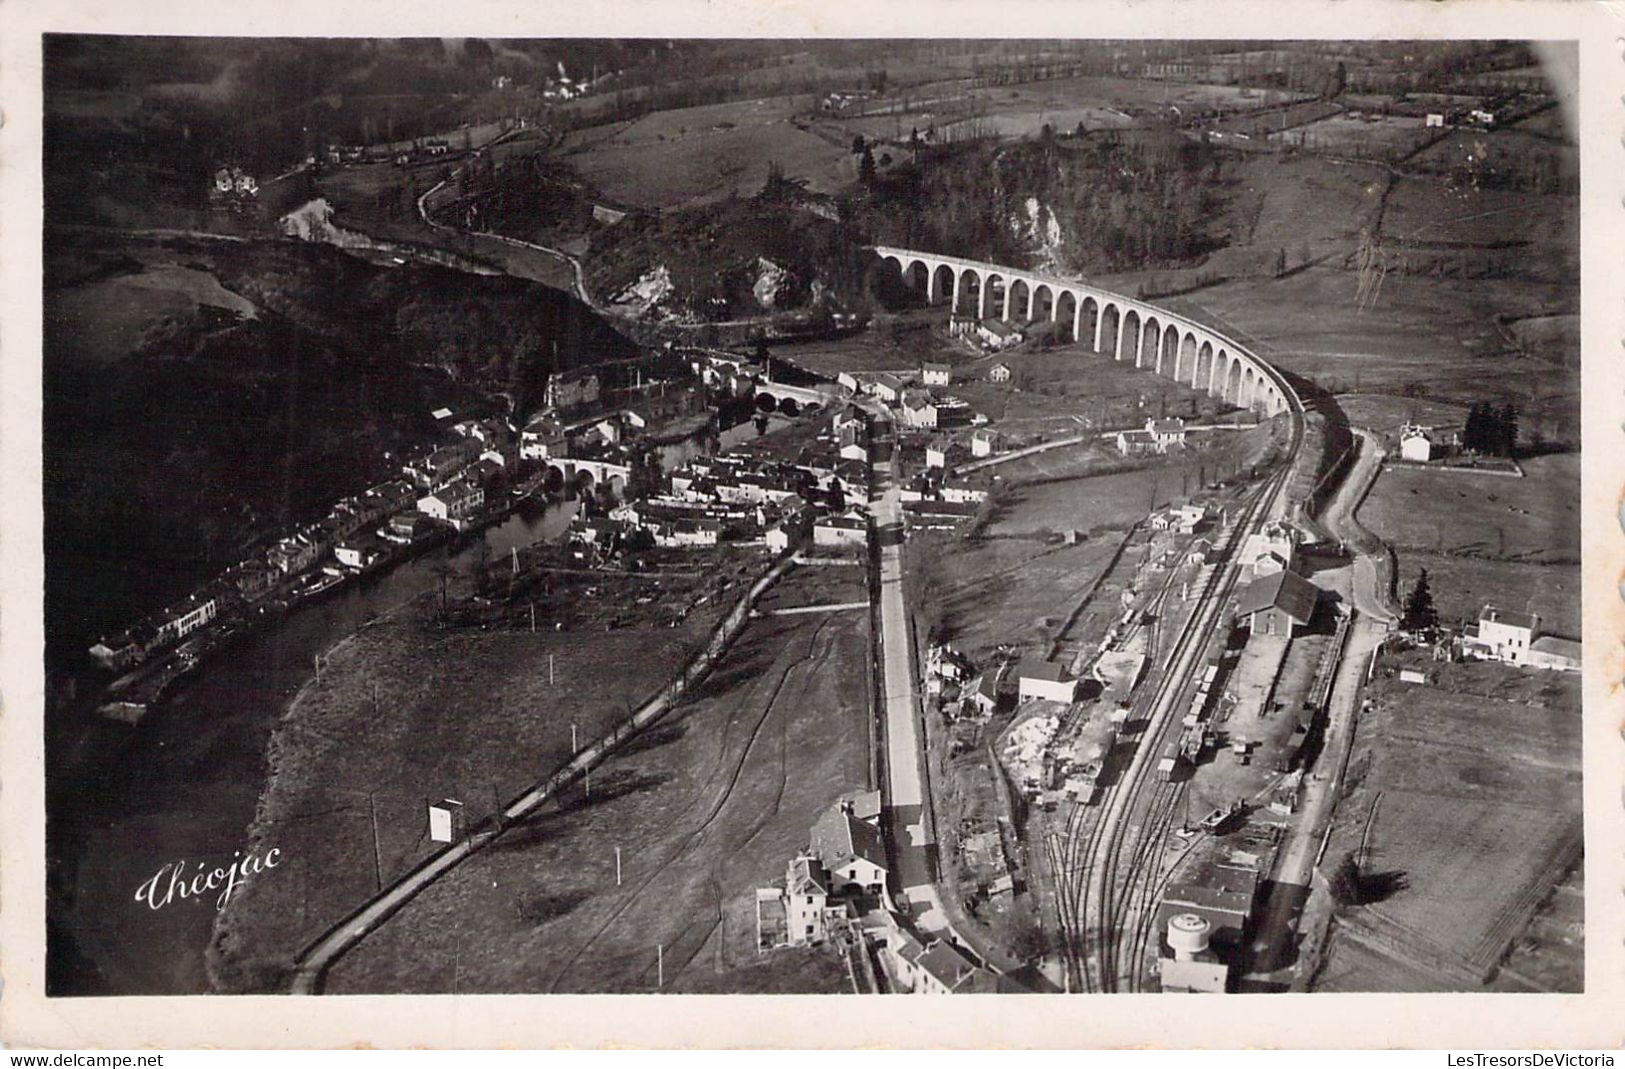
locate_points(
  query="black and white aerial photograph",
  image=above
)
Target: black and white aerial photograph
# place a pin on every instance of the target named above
(811, 516)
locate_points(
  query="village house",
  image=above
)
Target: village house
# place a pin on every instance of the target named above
(936, 453)
(887, 387)
(936, 967)
(443, 464)
(934, 374)
(294, 554)
(854, 444)
(178, 621)
(1158, 436)
(1268, 550)
(962, 492)
(984, 442)
(998, 334)
(253, 579)
(1415, 444)
(847, 529)
(1135, 443)
(359, 552)
(1000, 373)
(488, 432)
(979, 697)
(407, 528)
(850, 850)
(455, 503)
(1046, 680)
(1277, 603)
(1516, 638)
(568, 390)
(688, 534)
(806, 901)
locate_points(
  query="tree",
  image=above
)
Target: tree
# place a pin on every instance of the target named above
(1420, 615)
(1344, 881)
(858, 144)
(1507, 426)
(866, 165)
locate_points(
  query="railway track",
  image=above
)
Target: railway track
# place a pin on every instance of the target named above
(1111, 861)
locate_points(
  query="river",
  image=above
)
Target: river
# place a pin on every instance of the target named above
(183, 784)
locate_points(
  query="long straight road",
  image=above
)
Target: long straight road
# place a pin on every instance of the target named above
(904, 749)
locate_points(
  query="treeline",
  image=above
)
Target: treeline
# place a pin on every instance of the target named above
(1491, 430)
(1118, 203)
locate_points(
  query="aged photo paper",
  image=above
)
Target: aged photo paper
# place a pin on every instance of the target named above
(532, 525)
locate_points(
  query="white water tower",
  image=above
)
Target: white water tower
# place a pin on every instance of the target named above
(1188, 935)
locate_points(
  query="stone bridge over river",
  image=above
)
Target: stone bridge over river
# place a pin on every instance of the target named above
(1128, 329)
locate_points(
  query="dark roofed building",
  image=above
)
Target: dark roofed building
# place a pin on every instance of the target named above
(1277, 602)
(850, 849)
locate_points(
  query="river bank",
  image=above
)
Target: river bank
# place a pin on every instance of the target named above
(183, 785)
(408, 713)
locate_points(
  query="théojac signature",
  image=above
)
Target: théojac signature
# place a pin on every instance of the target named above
(170, 883)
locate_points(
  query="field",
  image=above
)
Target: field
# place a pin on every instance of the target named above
(1387, 414)
(708, 805)
(1420, 211)
(1387, 136)
(1015, 590)
(1533, 519)
(696, 155)
(1436, 336)
(1467, 790)
(406, 714)
(1485, 539)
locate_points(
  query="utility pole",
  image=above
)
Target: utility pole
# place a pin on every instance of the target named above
(377, 849)
(549, 656)
(617, 866)
(660, 966)
(573, 747)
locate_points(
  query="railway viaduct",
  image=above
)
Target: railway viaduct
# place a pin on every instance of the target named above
(1153, 338)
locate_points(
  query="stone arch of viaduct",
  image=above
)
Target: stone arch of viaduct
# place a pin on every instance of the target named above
(1153, 338)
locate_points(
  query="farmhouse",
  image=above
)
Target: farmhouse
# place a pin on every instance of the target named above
(1159, 436)
(1000, 373)
(1414, 444)
(1047, 680)
(1275, 603)
(1515, 638)
(1166, 433)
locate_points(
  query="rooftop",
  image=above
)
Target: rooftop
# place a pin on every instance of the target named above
(1049, 671)
(1284, 590)
(839, 835)
(1507, 618)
